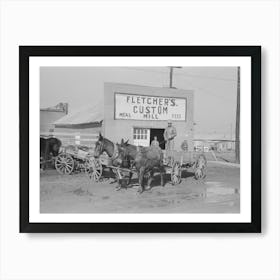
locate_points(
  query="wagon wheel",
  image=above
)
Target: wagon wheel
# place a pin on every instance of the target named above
(93, 169)
(64, 164)
(200, 166)
(176, 173)
(199, 173)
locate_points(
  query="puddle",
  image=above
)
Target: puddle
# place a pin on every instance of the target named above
(181, 199)
(81, 192)
(219, 190)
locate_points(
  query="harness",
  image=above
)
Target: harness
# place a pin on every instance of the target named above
(115, 153)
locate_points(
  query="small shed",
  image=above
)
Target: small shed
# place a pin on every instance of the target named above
(90, 117)
(80, 127)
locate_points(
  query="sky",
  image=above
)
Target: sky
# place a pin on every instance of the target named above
(215, 89)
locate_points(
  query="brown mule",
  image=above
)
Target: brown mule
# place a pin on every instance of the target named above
(145, 160)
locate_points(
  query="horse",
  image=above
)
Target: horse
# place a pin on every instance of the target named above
(49, 147)
(145, 159)
(105, 145)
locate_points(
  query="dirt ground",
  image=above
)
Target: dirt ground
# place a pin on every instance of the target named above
(219, 193)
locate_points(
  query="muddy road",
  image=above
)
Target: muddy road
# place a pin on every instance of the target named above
(219, 193)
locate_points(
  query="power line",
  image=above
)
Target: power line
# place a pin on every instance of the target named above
(208, 91)
(207, 77)
(183, 74)
(184, 77)
(143, 70)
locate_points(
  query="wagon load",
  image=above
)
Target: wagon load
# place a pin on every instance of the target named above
(78, 158)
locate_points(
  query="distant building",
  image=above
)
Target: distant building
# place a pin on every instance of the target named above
(49, 115)
(203, 145)
(219, 142)
(224, 146)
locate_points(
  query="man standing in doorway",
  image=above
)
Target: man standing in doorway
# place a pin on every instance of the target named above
(155, 142)
(169, 134)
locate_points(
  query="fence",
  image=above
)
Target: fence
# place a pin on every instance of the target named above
(88, 139)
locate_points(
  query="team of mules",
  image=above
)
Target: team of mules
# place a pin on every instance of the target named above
(144, 159)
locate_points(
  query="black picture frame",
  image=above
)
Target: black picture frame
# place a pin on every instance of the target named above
(25, 52)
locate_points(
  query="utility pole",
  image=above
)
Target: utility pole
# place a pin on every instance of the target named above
(237, 127)
(171, 75)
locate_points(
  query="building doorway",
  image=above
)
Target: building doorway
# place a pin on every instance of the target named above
(158, 132)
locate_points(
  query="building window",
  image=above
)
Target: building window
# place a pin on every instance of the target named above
(140, 133)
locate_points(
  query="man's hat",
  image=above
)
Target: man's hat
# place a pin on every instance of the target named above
(169, 121)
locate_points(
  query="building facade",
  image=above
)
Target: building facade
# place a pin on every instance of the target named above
(139, 113)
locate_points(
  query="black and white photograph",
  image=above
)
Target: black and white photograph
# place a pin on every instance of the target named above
(139, 139)
(140, 135)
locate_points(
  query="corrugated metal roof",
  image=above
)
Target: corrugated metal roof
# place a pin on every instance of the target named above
(90, 114)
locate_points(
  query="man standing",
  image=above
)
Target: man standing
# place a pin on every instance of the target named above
(169, 134)
(155, 142)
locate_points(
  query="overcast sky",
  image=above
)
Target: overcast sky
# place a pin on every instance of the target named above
(214, 89)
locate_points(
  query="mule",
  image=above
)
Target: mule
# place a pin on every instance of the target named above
(145, 160)
(105, 145)
(48, 147)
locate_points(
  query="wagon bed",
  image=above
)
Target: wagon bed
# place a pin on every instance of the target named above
(78, 158)
(81, 158)
(174, 162)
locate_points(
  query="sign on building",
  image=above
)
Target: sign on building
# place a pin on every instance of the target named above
(144, 107)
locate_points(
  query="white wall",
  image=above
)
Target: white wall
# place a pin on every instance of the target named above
(101, 256)
(124, 128)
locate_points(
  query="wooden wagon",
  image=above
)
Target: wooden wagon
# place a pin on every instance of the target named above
(175, 162)
(78, 158)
